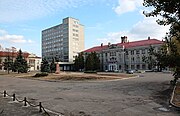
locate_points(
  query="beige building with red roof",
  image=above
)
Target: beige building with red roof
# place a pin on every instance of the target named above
(33, 61)
(125, 55)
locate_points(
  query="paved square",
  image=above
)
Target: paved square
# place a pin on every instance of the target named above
(131, 97)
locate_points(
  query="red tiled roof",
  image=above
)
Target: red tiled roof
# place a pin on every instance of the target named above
(140, 43)
(127, 45)
(12, 54)
(96, 48)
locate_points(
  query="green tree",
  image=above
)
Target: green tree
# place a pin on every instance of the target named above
(45, 66)
(150, 59)
(79, 62)
(20, 64)
(169, 10)
(53, 66)
(76, 63)
(92, 62)
(96, 63)
(8, 64)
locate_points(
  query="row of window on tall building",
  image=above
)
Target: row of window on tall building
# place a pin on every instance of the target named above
(132, 52)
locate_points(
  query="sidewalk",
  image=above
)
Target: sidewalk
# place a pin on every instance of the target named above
(10, 108)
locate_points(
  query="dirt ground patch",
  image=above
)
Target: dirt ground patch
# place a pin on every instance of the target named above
(83, 76)
(76, 76)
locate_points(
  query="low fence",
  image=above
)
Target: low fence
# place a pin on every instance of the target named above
(26, 102)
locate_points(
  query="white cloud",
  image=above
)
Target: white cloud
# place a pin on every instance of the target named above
(127, 6)
(4, 36)
(17, 10)
(2, 32)
(148, 27)
(112, 37)
(141, 30)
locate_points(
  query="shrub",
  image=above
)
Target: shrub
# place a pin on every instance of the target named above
(43, 74)
(94, 72)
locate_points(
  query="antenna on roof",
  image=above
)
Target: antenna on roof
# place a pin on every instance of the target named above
(109, 44)
(124, 39)
(101, 44)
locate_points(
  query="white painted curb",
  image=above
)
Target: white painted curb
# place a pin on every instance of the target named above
(172, 96)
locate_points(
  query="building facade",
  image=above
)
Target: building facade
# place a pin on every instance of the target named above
(63, 42)
(125, 55)
(34, 62)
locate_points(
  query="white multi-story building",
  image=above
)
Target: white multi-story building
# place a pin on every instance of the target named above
(125, 55)
(63, 42)
(34, 62)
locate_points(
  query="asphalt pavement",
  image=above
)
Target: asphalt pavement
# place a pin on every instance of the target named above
(146, 95)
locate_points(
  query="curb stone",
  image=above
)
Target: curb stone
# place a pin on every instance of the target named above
(172, 97)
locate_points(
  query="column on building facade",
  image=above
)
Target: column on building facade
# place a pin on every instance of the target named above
(140, 66)
(124, 60)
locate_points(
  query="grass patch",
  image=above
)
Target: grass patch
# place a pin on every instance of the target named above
(91, 72)
(68, 76)
(43, 74)
(85, 76)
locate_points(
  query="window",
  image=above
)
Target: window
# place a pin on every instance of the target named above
(75, 22)
(119, 67)
(132, 67)
(75, 30)
(76, 26)
(132, 59)
(138, 59)
(106, 67)
(143, 66)
(137, 51)
(138, 67)
(143, 51)
(75, 34)
(112, 53)
(65, 57)
(106, 60)
(127, 53)
(132, 52)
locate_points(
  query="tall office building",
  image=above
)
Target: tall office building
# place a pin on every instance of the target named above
(63, 42)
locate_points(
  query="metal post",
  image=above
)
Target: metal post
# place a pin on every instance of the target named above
(14, 97)
(25, 104)
(40, 107)
(4, 93)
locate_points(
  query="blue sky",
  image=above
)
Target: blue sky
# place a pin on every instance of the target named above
(21, 21)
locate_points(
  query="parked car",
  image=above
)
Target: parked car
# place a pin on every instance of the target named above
(129, 71)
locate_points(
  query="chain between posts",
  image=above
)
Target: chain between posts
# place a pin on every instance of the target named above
(14, 98)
